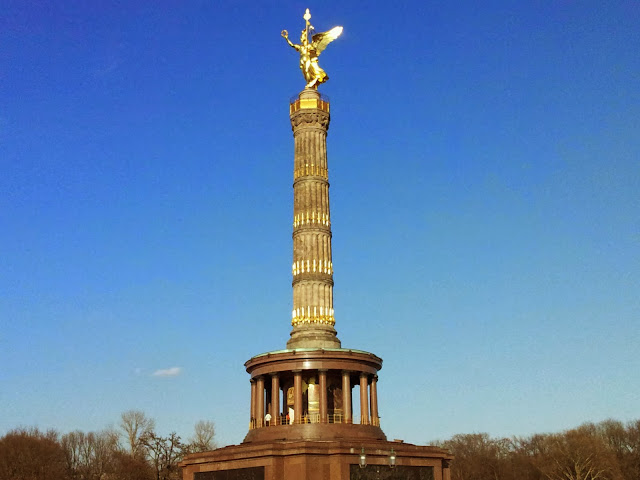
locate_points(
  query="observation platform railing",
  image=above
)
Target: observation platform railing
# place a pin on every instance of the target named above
(296, 103)
(310, 418)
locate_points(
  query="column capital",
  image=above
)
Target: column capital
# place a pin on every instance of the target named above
(310, 118)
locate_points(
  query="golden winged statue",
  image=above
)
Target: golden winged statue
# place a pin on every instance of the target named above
(309, 51)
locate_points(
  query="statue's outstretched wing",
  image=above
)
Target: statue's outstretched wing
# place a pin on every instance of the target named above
(321, 40)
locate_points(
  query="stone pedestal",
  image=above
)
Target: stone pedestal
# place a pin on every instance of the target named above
(317, 336)
(316, 460)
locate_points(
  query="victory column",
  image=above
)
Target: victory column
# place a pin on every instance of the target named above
(302, 424)
(312, 268)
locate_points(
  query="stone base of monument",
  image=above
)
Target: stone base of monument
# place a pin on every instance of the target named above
(319, 460)
(318, 336)
(302, 425)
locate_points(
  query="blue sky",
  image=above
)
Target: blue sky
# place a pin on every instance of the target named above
(484, 167)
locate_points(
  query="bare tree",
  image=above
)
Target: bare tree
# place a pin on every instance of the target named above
(203, 437)
(632, 464)
(31, 454)
(90, 455)
(135, 424)
(127, 467)
(624, 442)
(579, 454)
(164, 453)
(478, 457)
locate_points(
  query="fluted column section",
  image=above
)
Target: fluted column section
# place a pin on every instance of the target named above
(297, 396)
(373, 399)
(252, 423)
(275, 398)
(259, 402)
(364, 404)
(346, 396)
(322, 377)
(312, 268)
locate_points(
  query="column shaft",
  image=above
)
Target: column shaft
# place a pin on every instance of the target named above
(375, 420)
(260, 402)
(297, 398)
(275, 399)
(346, 397)
(322, 374)
(312, 267)
(364, 401)
(252, 423)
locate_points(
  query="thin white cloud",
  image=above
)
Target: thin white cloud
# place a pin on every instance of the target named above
(168, 372)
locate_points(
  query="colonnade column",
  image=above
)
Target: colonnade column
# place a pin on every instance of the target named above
(297, 396)
(364, 403)
(346, 396)
(322, 376)
(252, 423)
(375, 420)
(275, 399)
(260, 401)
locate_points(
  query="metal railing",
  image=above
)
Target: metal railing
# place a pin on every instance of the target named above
(296, 104)
(308, 419)
(295, 98)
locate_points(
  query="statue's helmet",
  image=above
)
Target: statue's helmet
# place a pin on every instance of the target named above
(303, 36)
